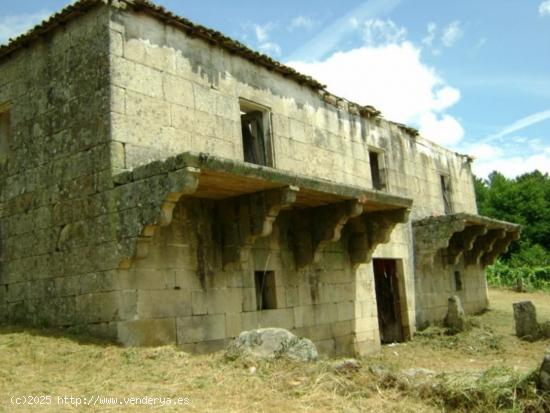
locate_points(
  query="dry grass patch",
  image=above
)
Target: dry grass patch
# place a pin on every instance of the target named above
(484, 369)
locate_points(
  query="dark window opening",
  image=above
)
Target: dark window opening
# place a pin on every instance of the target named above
(376, 170)
(446, 192)
(5, 132)
(256, 132)
(266, 294)
(458, 281)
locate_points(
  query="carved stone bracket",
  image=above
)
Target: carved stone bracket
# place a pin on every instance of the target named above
(369, 230)
(165, 189)
(433, 236)
(482, 245)
(499, 247)
(315, 228)
(462, 242)
(245, 218)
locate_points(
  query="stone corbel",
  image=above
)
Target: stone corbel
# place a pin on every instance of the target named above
(245, 218)
(178, 183)
(432, 237)
(321, 226)
(499, 247)
(462, 242)
(482, 245)
(369, 230)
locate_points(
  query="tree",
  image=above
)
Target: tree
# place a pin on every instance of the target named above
(524, 200)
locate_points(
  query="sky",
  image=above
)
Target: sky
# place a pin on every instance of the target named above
(473, 76)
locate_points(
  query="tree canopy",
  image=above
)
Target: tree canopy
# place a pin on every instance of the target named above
(524, 200)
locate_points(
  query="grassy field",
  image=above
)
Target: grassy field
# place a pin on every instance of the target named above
(49, 363)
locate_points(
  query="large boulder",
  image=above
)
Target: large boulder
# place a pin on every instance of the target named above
(544, 374)
(271, 343)
(455, 320)
(525, 317)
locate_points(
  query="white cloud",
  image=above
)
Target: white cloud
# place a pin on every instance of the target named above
(516, 156)
(302, 22)
(393, 78)
(382, 32)
(12, 26)
(443, 129)
(262, 31)
(431, 28)
(262, 34)
(270, 48)
(451, 34)
(512, 166)
(520, 124)
(544, 8)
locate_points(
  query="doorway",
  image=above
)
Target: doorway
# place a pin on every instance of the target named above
(386, 282)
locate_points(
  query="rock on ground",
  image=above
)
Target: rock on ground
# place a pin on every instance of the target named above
(346, 365)
(271, 343)
(525, 317)
(544, 374)
(455, 320)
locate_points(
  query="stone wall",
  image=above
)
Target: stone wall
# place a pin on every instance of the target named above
(436, 283)
(185, 295)
(54, 236)
(94, 103)
(173, 93)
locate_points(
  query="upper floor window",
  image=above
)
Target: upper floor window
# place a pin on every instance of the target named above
(256, 133)
(5, 132)
(446, 193)
(377, 170)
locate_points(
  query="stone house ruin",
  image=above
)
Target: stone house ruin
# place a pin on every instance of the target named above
(162, 183)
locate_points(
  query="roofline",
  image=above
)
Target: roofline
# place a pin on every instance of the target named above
(213, 37)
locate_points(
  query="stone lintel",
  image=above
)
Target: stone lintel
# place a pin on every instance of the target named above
(245, 218)
(316, 227)
(370, 229)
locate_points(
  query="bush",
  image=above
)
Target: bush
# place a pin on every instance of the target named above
(504, 275)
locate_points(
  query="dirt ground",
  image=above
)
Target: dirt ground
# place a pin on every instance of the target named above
(493, 344)
(51, 363)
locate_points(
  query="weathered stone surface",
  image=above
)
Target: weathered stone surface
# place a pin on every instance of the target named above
(545, 329)
(525, 317)
(113, 119)
(455, 320)
(271, 343)
(544, 374)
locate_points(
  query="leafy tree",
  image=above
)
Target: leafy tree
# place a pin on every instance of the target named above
(524, 200)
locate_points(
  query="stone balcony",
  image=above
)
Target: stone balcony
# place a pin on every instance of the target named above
(250, 198)
(477, 239)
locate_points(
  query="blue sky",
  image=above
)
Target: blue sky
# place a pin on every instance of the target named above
(472, 75)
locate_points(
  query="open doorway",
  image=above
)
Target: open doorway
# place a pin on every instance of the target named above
(386, 281)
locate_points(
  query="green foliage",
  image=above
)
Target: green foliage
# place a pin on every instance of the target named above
(524, 200)
(504, 275)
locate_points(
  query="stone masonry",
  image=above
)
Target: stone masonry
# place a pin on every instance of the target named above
(127, 209)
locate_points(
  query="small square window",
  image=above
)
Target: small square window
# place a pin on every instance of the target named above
(5, 132)
(256, 134)
(377, 172)
(266, 293)
(458, 281)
